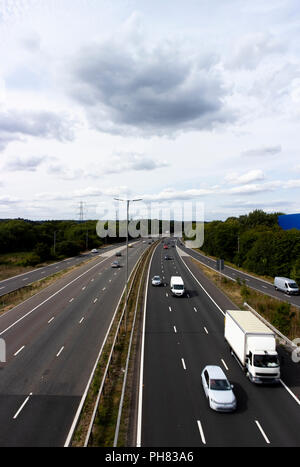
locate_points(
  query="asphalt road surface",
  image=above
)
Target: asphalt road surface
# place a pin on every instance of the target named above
(16, 282)
(181, 337)
(52, 343)
(251, 281)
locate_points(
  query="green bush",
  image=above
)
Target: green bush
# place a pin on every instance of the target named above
(282, 318)
(32, 259)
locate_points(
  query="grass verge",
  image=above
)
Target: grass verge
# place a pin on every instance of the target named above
(282, 315)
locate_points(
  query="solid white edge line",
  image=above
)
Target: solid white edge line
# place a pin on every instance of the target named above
(140, 399)
(262, 432)
(22, 406)
(201, 432)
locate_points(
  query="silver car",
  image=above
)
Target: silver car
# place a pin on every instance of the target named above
(217, 389)
(156, 280)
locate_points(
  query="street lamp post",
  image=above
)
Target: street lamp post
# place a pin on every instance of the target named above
(126, 283)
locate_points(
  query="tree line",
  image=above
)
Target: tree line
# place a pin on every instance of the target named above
(47, 240)
(256, 243)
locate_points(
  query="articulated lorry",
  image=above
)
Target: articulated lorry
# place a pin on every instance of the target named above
(254, 345)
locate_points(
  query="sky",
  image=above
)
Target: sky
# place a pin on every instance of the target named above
(172, 101)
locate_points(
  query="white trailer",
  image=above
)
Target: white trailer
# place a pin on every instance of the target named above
(254, 345)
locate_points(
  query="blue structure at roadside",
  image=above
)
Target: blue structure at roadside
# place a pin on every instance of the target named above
(289, 221)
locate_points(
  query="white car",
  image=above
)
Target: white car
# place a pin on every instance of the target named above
(156, 280)
(94, 250)
(217, 389)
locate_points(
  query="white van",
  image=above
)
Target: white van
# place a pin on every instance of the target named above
(286, 285)
(177, 286)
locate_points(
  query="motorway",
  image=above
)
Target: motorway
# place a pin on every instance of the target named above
(251, 281)
(52, 342)
(22, 280)
(181, 337)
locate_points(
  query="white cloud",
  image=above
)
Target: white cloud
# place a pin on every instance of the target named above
(253, 188)
(252, 49)
(251, 176)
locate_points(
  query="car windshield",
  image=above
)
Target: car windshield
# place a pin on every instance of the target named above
(293, 285)
(156, 278)
(219, 385)
(178, 287)
(266, 361)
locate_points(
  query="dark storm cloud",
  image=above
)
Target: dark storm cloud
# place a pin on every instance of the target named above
(127, 89)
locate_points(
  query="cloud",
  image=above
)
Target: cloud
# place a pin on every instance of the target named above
(130, 89)
(122, 162)
(7, 200)
(15, 124)
(170, 194)
(252, 49)
(253, 188)
(29, 164)
(292, 184)
(263, 151)
(64, 173)
(31, 41)
(251, 176)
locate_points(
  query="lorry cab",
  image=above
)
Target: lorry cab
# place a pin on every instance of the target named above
(263, 366)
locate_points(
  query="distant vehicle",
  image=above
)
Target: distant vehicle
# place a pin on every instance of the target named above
(156, 280)
(217, 389)
(130, 246)
(254, 345)
(115, 264)
(94, 250)
(165, 247)
(168, 257)
(118, 253)
(177, 286)
(286, 285)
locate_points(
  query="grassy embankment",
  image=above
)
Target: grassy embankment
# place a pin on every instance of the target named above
(282, 315)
